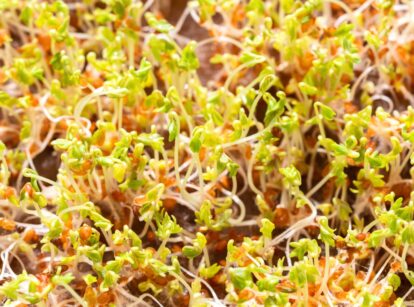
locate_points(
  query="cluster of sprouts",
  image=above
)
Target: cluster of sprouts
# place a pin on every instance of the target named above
(207, 153)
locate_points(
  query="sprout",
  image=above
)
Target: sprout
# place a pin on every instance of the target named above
(253, 153)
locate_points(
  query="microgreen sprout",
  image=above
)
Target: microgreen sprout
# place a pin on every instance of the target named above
(206, 153)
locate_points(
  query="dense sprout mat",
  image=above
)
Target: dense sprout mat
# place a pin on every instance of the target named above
(206, 153)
